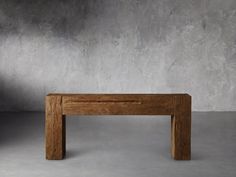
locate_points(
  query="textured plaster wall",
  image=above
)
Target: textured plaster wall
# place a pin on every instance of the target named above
(125, 46)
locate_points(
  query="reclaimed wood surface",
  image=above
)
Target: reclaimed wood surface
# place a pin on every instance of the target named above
(177, 105)
(55, 128)
(181, 128)
(132, 104)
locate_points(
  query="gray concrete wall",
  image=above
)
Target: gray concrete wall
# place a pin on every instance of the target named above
(118, 46)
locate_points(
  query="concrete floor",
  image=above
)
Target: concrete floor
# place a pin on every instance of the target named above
(118, 146)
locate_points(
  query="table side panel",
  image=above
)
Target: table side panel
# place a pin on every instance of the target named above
(117, 105)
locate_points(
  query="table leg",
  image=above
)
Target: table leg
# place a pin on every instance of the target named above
(181, 128)
(55, 128)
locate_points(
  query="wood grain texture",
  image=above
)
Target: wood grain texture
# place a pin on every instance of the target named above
(55, 128)
(117, 104)
(181, 128)
(176, 105)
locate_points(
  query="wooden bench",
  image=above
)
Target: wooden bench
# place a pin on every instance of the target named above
(178, 106)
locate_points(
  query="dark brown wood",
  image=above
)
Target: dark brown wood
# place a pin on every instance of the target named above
(123, 104)
(181, 128)
(176, 105)
(55, 128)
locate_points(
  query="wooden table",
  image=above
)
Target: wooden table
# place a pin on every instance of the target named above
(178, 106)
